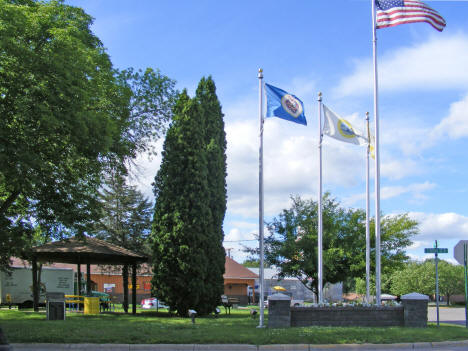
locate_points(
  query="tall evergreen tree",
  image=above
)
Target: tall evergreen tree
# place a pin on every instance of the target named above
(215, 143)
(125, 220)
(182, 217)
(126, 215)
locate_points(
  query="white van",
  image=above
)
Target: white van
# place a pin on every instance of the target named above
(16, 288)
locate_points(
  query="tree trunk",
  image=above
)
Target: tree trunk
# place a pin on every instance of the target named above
(9, 201)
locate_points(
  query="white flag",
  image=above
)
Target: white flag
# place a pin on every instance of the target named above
(339, 128)
(371, 142)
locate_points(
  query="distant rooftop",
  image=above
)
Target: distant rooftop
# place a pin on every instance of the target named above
(235, 270)
(270, 273)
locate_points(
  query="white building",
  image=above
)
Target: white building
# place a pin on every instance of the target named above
(294, 287)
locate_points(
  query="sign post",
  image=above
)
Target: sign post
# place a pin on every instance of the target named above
(436, 250)
(466, 286)
(462, 259)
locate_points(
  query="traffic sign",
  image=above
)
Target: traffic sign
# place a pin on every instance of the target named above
(458, 251)
(436, 250)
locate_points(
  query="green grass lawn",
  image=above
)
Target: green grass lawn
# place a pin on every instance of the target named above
(25, 326)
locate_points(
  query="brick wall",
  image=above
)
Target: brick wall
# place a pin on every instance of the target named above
(411, 313)
(371, 316)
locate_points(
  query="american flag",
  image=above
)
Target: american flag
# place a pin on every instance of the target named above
(394, 12)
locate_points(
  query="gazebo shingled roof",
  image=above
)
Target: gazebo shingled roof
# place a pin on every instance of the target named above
(86, 251)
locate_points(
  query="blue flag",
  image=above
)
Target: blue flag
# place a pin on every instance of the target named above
(283, 105)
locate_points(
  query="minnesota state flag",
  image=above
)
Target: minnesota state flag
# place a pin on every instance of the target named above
(284, 105)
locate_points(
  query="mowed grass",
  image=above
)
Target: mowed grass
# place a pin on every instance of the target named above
(25, 326)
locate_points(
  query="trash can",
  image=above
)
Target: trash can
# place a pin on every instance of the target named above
(91, 305)
(55, 306)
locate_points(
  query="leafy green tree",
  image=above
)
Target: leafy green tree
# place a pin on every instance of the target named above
(420, 277)
(67, 117)
(291, 243)
(182, 217)
(414, 277)
(451, 280)
(251, 263)
(385, 284)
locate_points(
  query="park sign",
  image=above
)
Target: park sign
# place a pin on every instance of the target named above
(458, 251)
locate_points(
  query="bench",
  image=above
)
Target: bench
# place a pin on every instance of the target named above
(228, 302)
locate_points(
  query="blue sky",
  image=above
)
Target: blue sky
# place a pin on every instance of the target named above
(305, 47)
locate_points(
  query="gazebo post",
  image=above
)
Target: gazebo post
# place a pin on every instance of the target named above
(134, 276)
(88, 279)
(35, 287)
(78, 278)
(253, 293)
(125, 287)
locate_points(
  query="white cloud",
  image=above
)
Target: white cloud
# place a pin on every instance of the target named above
(396, 169)
(416, 191)
(455, 125)
(437, 63)
(144, 170)
(290, 165)
(443, 226)
(237, 239)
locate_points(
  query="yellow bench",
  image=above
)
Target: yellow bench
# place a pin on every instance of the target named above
(73, 301)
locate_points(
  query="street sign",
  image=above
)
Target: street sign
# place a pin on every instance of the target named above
(458, 251)
(436, 250)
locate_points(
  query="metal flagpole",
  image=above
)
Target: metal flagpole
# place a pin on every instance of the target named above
(437, 281)
(260, 196)
(319, 212)
(367, 213)
(377, 160)
(466, 284)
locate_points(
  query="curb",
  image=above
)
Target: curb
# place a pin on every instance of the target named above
(231, 347)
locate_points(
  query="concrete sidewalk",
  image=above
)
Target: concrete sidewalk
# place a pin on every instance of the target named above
(442, 346)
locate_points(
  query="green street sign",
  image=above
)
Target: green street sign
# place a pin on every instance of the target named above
(436, 250)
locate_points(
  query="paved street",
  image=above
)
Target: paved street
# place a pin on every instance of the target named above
(447, 315)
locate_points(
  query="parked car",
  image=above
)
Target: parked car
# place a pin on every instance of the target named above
(151, 303)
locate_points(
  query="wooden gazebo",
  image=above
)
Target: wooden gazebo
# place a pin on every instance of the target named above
(87, 251)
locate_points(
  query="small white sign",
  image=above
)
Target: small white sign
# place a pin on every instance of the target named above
(108, 287)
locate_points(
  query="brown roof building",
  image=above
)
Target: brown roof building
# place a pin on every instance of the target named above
(236, 280)
(108, 278)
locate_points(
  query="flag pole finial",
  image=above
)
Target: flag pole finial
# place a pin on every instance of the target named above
(320, 96)
(367, 116)
(260, 73)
